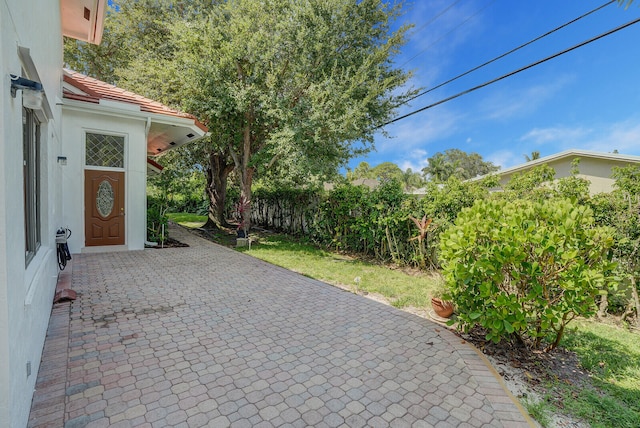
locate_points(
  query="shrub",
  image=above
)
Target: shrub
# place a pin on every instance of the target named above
(524, 269)
(156, 218)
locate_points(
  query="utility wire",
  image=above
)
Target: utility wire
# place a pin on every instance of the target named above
(509, 52)
(445, 10)
(448, 32)
(504, 76)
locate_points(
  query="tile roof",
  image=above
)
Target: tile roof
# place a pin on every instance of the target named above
(95, 90)
(155, 164)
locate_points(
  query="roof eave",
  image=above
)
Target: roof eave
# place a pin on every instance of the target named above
(83, 19)
(193, 125)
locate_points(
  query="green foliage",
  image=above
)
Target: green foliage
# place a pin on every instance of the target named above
(611, 355)
(299, 87)
(355, 218)
(539, 410)
(363, 170)
(180, 189)
(525, 269)
(539, 184)
(400, 288)
(444, 201)
(157, 220)
(285, 209)
(455, 162)
(534, 155)
(533, 184)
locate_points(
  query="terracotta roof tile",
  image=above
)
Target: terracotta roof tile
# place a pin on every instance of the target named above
(96, 90)
(154, 164)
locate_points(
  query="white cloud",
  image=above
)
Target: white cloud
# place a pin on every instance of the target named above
(416, 160)
(505, 158)
(561, 135)
(517, 102)
(418, 131)
(432, 42)
(623, 136)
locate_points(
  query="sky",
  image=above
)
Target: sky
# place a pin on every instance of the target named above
(586, 99)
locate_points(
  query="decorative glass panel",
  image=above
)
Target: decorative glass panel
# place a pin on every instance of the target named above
(105, 150)
(105, 198)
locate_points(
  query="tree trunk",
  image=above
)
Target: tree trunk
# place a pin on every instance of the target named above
(602, 307)
(246, 171)
(217, 173)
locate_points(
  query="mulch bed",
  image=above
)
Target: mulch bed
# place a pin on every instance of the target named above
(536, 366)
(171, 243)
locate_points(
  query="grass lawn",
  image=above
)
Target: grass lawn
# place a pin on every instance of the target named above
(188, 220)
(401, 288)
(612, 357)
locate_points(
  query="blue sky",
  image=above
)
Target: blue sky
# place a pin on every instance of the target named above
(587, 99)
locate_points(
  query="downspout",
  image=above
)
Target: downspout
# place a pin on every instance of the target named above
(146, 136)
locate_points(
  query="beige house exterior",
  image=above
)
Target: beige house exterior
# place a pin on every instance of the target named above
(597, 167)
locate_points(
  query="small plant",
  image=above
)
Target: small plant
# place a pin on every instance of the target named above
(241, 214)
(157, 221)
(524, 270)
(423, 226)
(356, 281)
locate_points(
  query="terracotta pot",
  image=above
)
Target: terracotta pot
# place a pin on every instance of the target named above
(441, 307)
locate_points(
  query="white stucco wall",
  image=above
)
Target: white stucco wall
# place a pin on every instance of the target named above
(26, 293)
(76, 123)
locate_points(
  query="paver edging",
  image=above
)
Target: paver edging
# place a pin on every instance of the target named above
(463, 347)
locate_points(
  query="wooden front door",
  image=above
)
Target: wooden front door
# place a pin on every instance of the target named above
(104, 207)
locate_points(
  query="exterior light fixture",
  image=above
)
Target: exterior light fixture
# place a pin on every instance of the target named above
(23, 83)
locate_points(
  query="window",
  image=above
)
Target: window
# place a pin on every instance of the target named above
(31, 174)
(105, 150)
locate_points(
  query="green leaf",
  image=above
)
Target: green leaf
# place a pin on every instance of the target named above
(508, 327)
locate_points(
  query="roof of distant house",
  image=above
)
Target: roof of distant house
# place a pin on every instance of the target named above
(572, 153)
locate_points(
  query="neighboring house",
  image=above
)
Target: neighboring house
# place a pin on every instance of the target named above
(108, 134)
(52, 167)
(594, 166)
(371, 183)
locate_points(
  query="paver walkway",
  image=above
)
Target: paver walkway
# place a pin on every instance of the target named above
(206, 336)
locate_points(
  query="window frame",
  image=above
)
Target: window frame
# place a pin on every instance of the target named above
(32, 170)
(88, 132)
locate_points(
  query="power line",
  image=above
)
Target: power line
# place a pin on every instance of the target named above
(448, 32)
(445, 10)
(504, 76)
(510, 52)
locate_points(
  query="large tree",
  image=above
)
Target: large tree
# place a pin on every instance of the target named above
(294, 88)
(458, 163)
(305, 82)
(138, 53)
(387, 171)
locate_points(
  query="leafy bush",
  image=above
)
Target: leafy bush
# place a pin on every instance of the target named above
(524, 269)
(355, 218)
(156, 219)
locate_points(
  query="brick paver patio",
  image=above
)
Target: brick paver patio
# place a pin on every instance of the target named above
(206, 336)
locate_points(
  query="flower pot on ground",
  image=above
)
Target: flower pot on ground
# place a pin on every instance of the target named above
(442, 308)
